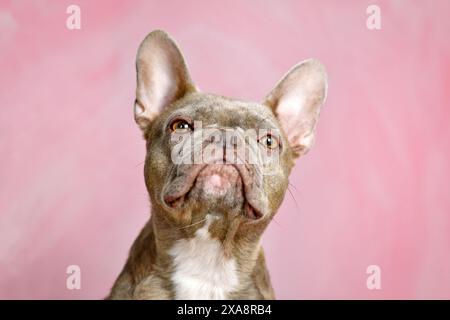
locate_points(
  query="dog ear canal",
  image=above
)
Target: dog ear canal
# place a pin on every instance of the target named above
(162, 77)
(296, 101)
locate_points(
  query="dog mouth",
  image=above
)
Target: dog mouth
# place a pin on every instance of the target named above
(214, 184)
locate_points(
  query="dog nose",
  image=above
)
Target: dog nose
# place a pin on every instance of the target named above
(227, 143)
(228, 154)
(232, 144)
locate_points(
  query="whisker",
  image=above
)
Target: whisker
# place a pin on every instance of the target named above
(193, 224)
(293, 186)
(277, 223)
(296, 204)
(140, 163)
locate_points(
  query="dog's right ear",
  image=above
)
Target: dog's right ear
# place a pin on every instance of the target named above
(162, 77)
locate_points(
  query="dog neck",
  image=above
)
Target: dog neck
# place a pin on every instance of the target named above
(203, 260)
(238, 240)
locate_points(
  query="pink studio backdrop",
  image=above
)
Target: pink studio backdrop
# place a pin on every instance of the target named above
(374, 190)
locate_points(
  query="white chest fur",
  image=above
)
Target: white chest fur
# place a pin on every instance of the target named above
(201, 269)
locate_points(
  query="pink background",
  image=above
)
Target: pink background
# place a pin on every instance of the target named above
(374, 190)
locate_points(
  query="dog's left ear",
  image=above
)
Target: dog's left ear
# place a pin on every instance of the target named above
(296, 101)
(162, 77)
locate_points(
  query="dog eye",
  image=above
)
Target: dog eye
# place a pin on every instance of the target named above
(269, 141)
(180, 126)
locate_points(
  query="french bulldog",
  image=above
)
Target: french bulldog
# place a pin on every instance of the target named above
(210, 203)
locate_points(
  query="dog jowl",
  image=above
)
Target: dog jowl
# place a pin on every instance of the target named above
(216, 171)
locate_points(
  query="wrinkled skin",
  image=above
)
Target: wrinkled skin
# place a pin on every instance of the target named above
(167, 182)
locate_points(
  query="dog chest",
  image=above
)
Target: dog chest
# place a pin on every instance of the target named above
(201, 270)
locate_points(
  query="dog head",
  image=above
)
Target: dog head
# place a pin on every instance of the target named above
(212, 155)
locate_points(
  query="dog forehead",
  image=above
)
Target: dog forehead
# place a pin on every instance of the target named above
(217, 110)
